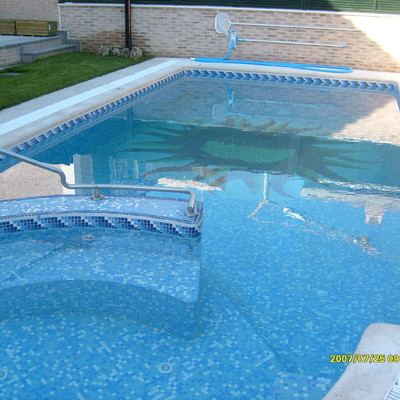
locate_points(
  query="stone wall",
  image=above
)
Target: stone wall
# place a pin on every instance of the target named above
(9, 56)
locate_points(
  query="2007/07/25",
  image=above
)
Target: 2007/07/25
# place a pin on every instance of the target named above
(364, 358)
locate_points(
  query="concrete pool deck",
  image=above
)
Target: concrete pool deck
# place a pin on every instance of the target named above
(31, 118)
(366, 378)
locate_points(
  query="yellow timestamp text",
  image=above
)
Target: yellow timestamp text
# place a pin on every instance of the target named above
(364, 358)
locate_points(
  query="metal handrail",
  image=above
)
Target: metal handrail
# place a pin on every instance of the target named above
(327, 28)
(190, 211)
(223, 23)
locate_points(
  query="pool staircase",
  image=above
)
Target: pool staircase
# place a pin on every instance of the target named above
(143, 277)
(268, 377)
(135, 257)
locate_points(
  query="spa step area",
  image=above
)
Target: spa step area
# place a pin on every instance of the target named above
(140, 276)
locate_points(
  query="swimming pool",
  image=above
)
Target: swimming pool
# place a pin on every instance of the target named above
(301, 224)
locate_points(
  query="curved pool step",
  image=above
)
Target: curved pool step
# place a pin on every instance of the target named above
(154, 214)
(152, 279)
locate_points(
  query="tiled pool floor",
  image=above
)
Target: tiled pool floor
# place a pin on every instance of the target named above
(92, 357)
(103, 355)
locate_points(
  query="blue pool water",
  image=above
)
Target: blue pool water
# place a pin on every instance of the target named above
(298, 253)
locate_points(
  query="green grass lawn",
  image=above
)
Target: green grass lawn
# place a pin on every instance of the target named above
(28, 81)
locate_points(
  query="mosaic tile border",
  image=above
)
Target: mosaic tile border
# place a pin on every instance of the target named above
(68, 127)
(94, 220)
(52, 217)
(387, 87)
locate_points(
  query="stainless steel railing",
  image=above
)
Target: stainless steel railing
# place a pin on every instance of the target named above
(223, 24)
(190, 211)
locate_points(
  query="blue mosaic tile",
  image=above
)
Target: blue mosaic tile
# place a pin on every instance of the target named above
(151, 279)
(230, 358)
(298, 80)
(140, 213)
(92, 356)
(294, 386)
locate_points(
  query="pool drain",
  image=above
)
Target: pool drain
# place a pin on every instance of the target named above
(88, 237)
(165, 368)
(3, 374)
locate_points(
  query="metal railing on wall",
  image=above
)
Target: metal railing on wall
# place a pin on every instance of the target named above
(223, 24)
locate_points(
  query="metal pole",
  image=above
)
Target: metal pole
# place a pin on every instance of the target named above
(286, 42)
(128, 25)
(295, 26)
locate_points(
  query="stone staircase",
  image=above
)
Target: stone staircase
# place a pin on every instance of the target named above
(22, 49)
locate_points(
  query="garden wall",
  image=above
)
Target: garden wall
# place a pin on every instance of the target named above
(174, 31)
(188, 31)
(43, 10)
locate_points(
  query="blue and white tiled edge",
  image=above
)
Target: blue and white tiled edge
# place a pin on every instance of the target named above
(158, 215)
(69, 127)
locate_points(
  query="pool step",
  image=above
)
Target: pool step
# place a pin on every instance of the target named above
(134, 257)
(34, 55)
(151, 279)
(141, 213)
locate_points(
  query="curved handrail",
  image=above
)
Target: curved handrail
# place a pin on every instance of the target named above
(190, 211)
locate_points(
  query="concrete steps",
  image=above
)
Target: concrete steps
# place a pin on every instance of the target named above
(20, 49)
(33, 55)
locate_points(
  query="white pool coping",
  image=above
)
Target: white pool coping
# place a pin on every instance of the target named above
(367, 380)
(33, 116)
(36, 116)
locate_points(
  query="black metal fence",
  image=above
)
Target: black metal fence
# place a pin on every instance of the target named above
(378, 6)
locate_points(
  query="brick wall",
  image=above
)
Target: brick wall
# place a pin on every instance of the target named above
(189, 32)
(44, 10)
(94, 25)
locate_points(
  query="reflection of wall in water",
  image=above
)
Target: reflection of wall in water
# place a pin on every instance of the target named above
(375, 205)
(276, 107)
